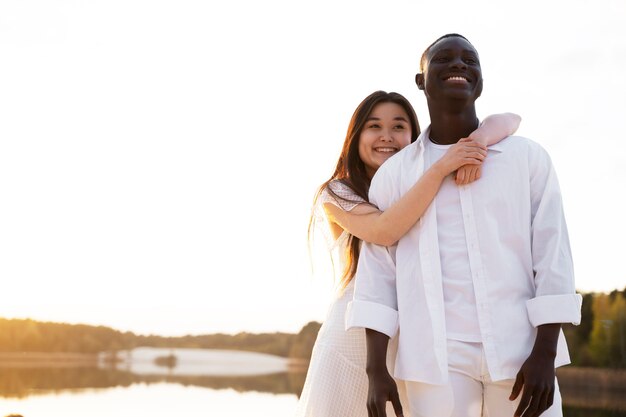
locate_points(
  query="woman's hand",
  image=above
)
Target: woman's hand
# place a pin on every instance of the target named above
(467, 174)
(465, 152)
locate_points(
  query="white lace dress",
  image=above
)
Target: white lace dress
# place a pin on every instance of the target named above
(336, 383)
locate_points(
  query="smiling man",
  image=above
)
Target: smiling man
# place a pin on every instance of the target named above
(476, 292)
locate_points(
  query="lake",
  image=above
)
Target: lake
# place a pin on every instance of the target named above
(194, 382)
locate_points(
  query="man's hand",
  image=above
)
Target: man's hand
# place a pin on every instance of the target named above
(382, 388)
(537, 374)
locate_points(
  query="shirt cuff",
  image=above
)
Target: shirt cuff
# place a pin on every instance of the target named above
(365, 314)
(564, 308)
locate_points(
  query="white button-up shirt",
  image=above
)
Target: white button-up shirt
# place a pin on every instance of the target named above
(519, 255)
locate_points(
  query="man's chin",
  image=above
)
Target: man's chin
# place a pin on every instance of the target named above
(460, 93)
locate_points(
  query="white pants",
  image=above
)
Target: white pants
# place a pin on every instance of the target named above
(470, 392)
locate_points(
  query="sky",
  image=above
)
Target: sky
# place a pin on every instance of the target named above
(158, 159)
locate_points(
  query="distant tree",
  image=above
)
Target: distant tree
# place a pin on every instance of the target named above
(600, 335)
(617, 349)
(303, 344)
(607, 344)
(586, 323)
(617, 293)
(578, 336)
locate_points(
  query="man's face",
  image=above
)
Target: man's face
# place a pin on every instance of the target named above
(452, 71)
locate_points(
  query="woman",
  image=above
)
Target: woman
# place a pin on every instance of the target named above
(383, 124)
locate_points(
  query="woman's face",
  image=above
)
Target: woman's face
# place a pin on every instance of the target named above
(386, 131)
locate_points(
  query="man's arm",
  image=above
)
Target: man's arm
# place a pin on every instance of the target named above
(555, 299)
(375, 308)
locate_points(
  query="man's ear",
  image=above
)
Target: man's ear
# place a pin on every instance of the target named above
(419, 80)
(479, 88)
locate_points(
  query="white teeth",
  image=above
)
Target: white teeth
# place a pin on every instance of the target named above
(458, 79)
(385, 149)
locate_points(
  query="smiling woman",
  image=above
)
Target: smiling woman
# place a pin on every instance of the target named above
(386, 131)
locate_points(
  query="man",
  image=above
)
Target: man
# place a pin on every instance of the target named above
(477, 291)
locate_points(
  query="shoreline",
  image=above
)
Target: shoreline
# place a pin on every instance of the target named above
(601, 379)
(47, 359)
(569, 376)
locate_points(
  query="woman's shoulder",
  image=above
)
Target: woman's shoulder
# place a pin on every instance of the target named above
(340, 186)
(339, 193)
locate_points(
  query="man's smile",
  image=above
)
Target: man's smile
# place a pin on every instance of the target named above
(457, 79)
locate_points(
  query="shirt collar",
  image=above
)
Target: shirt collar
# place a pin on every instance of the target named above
(496, 147)
(422, 137)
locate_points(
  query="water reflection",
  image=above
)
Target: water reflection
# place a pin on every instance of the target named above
(23, 382)
(222, 371)
(589, 402)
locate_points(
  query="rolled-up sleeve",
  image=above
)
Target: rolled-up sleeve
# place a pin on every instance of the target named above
(554, 309)
(555, 299)
(375, 305)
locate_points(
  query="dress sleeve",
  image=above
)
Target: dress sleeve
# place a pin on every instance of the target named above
(340, 195)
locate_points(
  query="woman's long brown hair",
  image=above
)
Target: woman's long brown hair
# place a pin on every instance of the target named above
(350, 169)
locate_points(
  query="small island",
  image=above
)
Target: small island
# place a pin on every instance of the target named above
(168, 361)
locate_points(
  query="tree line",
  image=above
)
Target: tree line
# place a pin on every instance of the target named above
(24, 382)
(600, 339)
(25, 335)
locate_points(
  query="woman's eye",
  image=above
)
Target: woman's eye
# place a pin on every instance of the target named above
(374, 126)
(399, 127)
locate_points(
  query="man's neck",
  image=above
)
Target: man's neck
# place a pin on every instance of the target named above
(447, 127)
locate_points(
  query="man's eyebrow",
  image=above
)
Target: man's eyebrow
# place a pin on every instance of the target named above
(465, 51)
